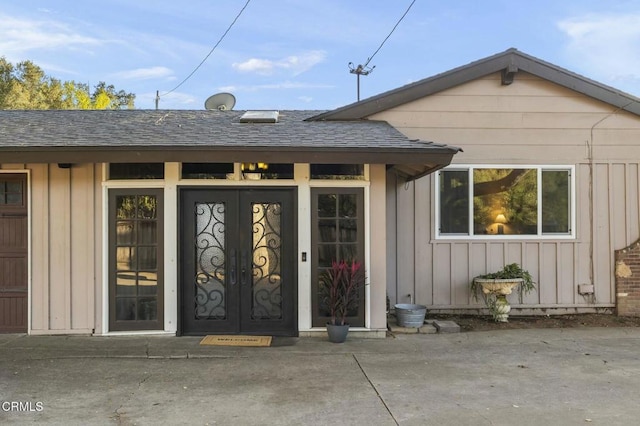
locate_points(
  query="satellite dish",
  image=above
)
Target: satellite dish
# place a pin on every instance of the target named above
(220, 101)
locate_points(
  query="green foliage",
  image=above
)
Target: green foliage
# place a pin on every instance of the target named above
(511, 271)
(26, 86)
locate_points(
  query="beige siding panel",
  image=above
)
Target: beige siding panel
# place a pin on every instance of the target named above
(495, 256)
(446, 102)
(513, 253)
(603, 253)
(531, 262)
(39, 247)
(547, 290)
(405, 245)
(422, 236)
(618, 206)
(59, 242)
(442, 262)
(82, 243)
(460, 278)
(565, 270)
(13, 166)
(507, 120)
(392, 249)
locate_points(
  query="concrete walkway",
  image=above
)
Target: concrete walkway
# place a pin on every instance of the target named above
(512, 377)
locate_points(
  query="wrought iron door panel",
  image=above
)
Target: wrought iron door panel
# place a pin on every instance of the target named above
(237, 261)
(210, 290)
(266, 285)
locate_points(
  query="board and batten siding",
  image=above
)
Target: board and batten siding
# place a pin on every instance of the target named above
(530, 122)
(64, 247)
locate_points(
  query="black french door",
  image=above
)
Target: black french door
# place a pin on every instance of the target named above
(238, 261)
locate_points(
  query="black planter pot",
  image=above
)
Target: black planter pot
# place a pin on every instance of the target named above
(337, 333)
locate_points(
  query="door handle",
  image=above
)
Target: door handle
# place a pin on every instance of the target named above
(244, 268)
(233, 266)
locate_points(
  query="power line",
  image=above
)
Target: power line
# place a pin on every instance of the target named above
(365, 69)
(208, 54)
(387, 38)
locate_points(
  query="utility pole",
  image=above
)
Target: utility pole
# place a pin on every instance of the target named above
(358, 71)
(157, 98)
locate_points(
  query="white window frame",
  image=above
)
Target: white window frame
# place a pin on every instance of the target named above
(469, 168)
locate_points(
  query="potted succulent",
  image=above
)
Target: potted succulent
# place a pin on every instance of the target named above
(339, 286)
(495, 286)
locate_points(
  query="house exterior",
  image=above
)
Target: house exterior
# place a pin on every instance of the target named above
(549, 178)
(193, 222)
(219, 222)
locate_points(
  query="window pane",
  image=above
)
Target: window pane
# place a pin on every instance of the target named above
(454, 202)
(326, 254)
(125, 308)
(147, 232)
(348, 230)
(147, 258)
(348, 205)
(266, 171)
(147, 283)
(124, 233)
(14, 198)
(147, 309)
(327, 230)
(337, 171)
(126, 284)
(147, 206)
(126, 206)
(511, 193)
(327, 205)
(136, 171)
(126, 258)
(206, 170)
(555, 201)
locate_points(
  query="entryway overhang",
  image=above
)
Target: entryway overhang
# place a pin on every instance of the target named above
(141, 136)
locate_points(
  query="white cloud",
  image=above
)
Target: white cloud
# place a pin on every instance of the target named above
(607, 44)
(305, 99)
(18, 36)
(145, 73)
(285, 85)
(294, 64)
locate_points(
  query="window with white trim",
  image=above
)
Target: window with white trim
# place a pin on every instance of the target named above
(501, 201)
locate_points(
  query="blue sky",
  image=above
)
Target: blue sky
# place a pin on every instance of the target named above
(294, 54)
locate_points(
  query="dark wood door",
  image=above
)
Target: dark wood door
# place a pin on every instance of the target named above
(238, 261)
(13, 253)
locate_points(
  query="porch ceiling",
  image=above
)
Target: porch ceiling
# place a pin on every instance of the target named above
(209, 136)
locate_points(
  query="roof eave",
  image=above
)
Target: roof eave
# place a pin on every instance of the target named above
(410, 162)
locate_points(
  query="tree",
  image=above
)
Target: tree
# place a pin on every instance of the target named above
(26, 86)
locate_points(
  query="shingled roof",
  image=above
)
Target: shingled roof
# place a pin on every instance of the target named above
(509, 62)
(73, 136)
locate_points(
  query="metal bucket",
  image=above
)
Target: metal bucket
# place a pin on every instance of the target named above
(409, 315)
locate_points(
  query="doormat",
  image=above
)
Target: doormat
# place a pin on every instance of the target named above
(236, 341)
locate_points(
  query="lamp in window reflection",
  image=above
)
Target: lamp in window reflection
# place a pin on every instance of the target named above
(500, 220)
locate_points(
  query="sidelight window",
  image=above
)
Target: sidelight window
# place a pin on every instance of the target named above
(337, 234)
(135, 264)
